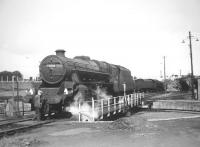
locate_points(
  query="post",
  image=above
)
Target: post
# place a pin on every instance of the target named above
(131, 100)
(124, 86)
(13, 86)
(198, 91)
(79, 111)
(165, 86)
(119, 103)
(115, 108)
(102, 108)
(6, 102)
(108, 107)
(191, 61)
(18, 97)
(22, 108)
(12, 109)
(125, 100)
(93, 109)
(136, 100)
(140, 99)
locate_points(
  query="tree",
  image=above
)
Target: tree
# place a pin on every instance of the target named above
(7, 75)
(17, 74)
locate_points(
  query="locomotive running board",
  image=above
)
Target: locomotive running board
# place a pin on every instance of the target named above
(94, 83)
(93, 72)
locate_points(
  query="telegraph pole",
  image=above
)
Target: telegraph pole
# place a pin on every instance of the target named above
(191, 61)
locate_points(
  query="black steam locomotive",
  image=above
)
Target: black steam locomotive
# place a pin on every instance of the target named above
(63, 78)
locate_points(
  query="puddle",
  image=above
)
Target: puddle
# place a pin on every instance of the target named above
(72, 132)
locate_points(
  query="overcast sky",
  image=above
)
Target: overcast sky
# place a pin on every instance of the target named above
(133, 33)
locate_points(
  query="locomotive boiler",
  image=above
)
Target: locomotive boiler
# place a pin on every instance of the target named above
(63, 78)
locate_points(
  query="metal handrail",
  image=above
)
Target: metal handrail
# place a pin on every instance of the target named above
(114, 103)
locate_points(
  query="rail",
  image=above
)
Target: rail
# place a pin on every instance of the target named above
(110, 105)
(21, 128)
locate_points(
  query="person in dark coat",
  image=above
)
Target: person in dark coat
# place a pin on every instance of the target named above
(37, 104)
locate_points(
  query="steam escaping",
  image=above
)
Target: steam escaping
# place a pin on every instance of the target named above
(102, 94)
(85, 111)
(83, 108)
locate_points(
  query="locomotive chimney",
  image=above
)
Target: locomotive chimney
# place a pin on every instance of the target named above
(60, 52)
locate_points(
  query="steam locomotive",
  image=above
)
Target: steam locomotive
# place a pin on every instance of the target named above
(63, 78)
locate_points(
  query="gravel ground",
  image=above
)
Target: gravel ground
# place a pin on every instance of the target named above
(170, 129)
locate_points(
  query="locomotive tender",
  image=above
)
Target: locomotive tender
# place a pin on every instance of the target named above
(63, 78)
(148, 85)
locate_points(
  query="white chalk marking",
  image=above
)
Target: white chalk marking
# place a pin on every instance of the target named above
(174, 118)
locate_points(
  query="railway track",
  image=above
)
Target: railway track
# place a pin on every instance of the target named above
(8, 122)
(10, 127)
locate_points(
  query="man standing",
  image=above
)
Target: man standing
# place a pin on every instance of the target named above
(37, 105)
